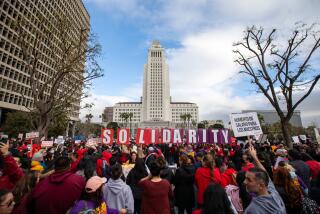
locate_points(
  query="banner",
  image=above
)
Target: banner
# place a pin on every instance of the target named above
(107, 136)
(32, 135)
(46, 144)
(123, 136)
(245, 124)
(176, 136)
(143, 136)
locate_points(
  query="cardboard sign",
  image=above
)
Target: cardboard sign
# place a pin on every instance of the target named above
(245, 124)
(32, 135)
(123, 136)
(107, 136)
(46, 143)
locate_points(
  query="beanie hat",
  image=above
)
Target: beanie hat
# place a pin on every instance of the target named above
(94, 183)
(36, 166)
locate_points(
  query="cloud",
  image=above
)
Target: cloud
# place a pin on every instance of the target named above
(201, 67)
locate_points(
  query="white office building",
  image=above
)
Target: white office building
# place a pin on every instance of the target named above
(156, 108)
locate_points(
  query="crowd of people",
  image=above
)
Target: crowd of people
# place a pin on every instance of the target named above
(231, 178)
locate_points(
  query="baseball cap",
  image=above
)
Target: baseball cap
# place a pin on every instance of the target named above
(94, 183)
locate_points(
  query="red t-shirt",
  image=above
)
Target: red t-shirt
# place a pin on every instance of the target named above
(198, 211)
(226, 177)
(155, 197)
(246, 168)
(202, 180)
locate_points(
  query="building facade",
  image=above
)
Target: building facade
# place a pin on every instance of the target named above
(15, 93)
(271, 117)
(156, 108)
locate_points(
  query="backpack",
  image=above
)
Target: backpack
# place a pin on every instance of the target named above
(309, 206)
(106, 171)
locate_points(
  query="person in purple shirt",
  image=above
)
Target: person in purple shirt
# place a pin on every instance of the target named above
(92, 199)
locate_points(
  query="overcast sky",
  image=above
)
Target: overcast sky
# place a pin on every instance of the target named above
(198, 37)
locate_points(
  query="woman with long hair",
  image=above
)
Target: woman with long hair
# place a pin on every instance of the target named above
(290, 192)
(135, 175)
(6, 201)
(205, 175)
(215, 200)
(183, 182)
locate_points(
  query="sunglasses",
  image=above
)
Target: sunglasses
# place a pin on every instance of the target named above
(9, 204)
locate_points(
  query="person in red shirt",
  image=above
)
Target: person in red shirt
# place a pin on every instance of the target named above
(10, 172)
(205, 175)
(313, 165)
(229, 176)
(246, 162)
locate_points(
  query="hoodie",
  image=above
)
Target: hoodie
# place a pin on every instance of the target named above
(271, 203)
(57, 193)
(118, 195)
(202, 180)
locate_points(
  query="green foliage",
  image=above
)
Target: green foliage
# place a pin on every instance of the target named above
(216, 126)
(17, 122)
(88, 129)
(201, 126)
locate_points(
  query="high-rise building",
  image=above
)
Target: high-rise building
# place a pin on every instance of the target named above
(15, 93)
(156, 108)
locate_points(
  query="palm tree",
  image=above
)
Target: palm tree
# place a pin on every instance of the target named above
(124, 116)
(130, 116)
(88, 117)
(188, 118)
(183, 118)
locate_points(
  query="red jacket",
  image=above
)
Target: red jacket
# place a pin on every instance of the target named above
(202, 180)
(57, 193)
(11, 173)
(105, 156)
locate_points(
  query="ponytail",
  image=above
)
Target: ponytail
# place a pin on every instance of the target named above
(209, 162)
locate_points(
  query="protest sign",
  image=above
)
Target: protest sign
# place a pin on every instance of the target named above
(107, 136)
(59, 140)
(295, 139)
(32, 135)
(123, 136)
(46, 144)
(20, 136)
(245, 124)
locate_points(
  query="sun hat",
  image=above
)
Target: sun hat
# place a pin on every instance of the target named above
(94, 183)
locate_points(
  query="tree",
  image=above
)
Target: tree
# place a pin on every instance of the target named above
(217, 126)
(125, 116)
(17, 122)
(201, 125)
(205, 123)
(72, 51)
(88, 117)
(280, 70)
(184, 119)
(188, 118)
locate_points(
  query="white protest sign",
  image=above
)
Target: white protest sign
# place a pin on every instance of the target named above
(93, 142)
(46, 143)
(245, 124)
(303, 137)
(77, 141)
(20, 136)
(59, 140)
(295, 139)
(32, 135)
